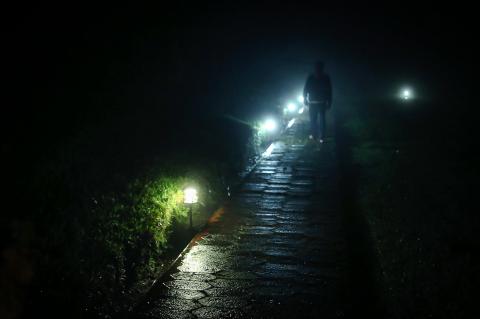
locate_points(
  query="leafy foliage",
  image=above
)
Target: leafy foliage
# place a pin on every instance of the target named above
(103, 208)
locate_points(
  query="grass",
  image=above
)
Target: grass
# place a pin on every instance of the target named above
(104, 209)
(413, 191)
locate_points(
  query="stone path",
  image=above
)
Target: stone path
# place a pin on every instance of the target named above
(277, 251)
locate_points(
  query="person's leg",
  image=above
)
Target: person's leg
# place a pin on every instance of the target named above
(323, 128)
(313, 110)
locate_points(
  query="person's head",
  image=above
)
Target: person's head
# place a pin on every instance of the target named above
(319, 67)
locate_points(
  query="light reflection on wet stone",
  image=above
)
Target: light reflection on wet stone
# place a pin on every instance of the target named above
(224, 302)
(183, 293)
(278, 251)
(193, 276)
(187, 285)
(213, 312)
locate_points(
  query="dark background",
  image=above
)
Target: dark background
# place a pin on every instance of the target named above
(65, 67)
(115, 86)
(125, 80)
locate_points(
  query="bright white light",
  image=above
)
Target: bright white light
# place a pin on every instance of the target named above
(190, 195)
(290, 123)
(406, 94)
(269, 150)
(300, 99)
(301, 110)
(292, 107)
(269, 125)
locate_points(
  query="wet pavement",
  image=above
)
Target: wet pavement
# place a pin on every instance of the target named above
(276, 250)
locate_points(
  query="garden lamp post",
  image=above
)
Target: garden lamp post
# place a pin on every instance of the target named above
(269, 126)
(190, 198)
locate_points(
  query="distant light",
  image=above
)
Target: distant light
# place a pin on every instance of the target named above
(406, 94)
(190, 195)
(269, 125)
(301, 110)
(292, 107)
(290, 123)
(300, 99)
(269, 150)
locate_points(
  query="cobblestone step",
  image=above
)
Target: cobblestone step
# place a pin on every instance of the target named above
(278, 250)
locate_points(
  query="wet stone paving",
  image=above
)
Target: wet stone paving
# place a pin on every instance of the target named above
(277, 251)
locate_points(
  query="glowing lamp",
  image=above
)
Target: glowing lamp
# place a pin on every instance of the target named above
(406, 94)
(300, 99)
(269, 125)
(292, 107)
(190, 195)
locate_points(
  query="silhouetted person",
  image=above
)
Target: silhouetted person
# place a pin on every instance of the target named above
(317, 95)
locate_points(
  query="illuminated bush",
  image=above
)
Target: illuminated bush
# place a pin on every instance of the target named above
(105, 207)
(156, 204)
